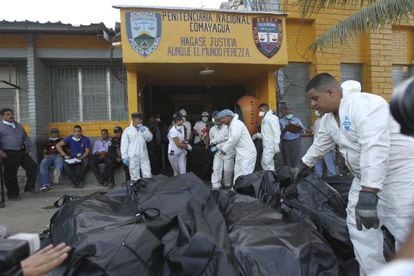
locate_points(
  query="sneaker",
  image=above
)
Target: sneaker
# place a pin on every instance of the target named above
(45, 188)
(56, 176)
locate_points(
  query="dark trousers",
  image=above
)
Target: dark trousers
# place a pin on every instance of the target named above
(76, 172)
(11, 165)
(112, 164)
(94, 162)
(291, 152)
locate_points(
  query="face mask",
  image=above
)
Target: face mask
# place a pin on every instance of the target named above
(76, 139)
(158, 120)
(204, 119)
(289, 116)
(139, 125)
(261, 113)
(54, 138)
(317, 113)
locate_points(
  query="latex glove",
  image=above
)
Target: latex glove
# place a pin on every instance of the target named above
(298, 171)
(189, 147)
(142, 129)
(125, 161)
(213, 149)
(366, 210)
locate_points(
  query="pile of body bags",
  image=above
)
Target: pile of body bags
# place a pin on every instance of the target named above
(176, 226)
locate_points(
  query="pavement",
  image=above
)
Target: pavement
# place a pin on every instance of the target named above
(29, 215)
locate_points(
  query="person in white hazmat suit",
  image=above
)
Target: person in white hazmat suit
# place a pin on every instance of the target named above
(379, 157)
(134, 151)
(270, 135)
(186, 124)
(240, 142)
(223, 165)
(200, 129)
(177, 146)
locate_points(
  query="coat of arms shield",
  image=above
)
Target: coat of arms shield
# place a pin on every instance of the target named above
(144, 31)
(267, 34)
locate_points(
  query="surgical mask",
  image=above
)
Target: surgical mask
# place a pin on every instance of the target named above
(76, 139)
(289, 116)
(317, 113)
(204, 119)
(261, 113)
(213, 120)
(54, 138)
(158, 120)
(139, 125)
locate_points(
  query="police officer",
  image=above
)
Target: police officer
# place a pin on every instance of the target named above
(114, 159)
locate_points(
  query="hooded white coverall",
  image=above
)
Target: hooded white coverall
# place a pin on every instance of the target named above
(270, 129)
(223, 165)
(134, 147)
(379, 157)
(240, 141)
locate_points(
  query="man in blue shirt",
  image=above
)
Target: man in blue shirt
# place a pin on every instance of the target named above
(76, 164)
(291, 128)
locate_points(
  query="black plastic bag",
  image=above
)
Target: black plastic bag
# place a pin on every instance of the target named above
(163, 226)
(266, 244)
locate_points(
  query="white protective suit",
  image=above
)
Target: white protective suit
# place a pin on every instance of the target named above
(134, 147)
(223, 165)
(200, 128)
(270, 129)
(379, 157)
(240, 141)
(187, 126)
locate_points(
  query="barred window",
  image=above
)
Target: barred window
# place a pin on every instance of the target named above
(400, 73)
(86, 93)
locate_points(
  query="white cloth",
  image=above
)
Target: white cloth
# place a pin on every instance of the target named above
(223, 165)
(134, 147)
(270, 129)
(187, 126)
(177, 156)
(379, 157)
(200, 128)
(240, 141)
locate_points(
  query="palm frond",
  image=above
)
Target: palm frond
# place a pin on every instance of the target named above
(371, 17)
(312, 6)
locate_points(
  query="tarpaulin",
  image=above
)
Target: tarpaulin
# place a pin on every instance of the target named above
(266, 244)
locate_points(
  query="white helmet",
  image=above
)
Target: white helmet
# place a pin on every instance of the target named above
(183, 112)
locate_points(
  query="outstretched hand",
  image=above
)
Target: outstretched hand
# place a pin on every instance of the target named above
(45, 260)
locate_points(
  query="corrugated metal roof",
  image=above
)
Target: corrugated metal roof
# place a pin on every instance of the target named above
(52, 27)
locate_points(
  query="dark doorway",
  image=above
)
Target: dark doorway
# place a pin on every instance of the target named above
(166, 100)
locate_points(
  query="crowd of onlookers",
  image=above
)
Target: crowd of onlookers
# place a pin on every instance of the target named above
(143, 150)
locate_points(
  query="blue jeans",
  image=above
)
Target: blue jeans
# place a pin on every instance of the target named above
(52, 159)
(330, 165)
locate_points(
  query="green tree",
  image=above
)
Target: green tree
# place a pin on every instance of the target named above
(373, 15)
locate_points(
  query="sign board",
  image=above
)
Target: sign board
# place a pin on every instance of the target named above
(202, 36)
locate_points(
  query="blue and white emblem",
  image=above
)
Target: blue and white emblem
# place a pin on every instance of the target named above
(347, 123)
(143, 31)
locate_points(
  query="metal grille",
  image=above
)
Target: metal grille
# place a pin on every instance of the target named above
(94, 94)
(64, 87)
(87, 93)
(8, 99)
(23, 95)
(119, 106)
(351, 72)
(400, 73)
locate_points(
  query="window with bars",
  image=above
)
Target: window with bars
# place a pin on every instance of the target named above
(400, 73)
(87, 93)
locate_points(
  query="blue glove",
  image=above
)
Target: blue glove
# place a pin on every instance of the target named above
(213, 149)
(142, 129)
(125, 161)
